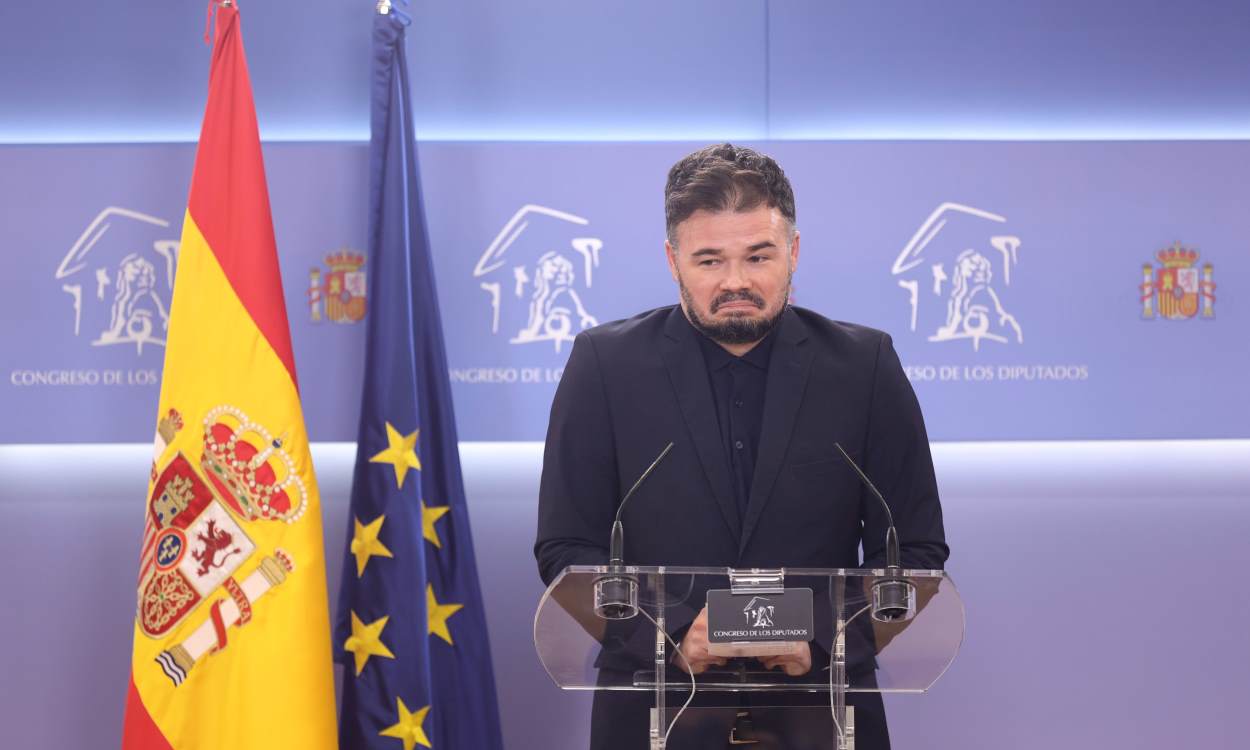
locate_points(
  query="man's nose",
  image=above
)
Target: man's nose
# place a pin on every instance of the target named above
(735, 278)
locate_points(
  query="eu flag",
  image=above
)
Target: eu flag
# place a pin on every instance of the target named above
(410, 629)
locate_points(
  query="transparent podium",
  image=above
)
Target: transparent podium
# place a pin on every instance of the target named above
(607, 628)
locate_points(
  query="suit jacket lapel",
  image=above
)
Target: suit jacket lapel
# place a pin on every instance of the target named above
(787, 378)
(686, 369)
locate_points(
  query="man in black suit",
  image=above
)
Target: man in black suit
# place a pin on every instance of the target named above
(753, 393)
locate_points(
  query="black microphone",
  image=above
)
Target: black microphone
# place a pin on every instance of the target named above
(616, 594)
(893, 596)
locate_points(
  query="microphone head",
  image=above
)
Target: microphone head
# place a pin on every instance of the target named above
(893, 598)
(616, 597)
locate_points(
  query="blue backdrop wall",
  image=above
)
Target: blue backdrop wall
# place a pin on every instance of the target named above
(1061, 290)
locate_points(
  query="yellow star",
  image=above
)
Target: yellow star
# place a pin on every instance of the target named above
(408, 729)
(438, 614)
(365, 543)
(366, 641)
(430, 516)
(400, 452)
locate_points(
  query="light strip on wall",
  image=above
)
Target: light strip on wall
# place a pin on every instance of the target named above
(865, 132)
(995, 471)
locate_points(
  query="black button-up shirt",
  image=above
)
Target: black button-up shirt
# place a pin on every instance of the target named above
(738, 394)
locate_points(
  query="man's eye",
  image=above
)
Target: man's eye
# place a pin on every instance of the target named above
(709, 262)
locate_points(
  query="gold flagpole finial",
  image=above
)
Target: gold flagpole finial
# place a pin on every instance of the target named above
(384, 7)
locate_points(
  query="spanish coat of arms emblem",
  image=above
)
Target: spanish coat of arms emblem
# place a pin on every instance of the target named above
(338, 294)
(1177, 290)
(195, 537)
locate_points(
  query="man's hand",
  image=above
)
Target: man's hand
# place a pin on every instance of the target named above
(797, 664)
(694, 646)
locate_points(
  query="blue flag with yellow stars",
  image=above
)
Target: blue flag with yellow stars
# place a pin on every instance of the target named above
(410, 629)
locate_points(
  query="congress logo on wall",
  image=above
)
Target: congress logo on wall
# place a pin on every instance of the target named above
(536, 274)
(956, 270)
(119, 278)
(1176, 291)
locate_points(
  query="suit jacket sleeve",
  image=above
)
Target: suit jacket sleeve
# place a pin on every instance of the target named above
(897, 459)
(579, 491)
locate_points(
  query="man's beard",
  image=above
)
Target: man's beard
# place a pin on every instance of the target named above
(737, 329)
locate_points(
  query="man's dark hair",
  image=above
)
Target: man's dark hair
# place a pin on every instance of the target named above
(725, 177)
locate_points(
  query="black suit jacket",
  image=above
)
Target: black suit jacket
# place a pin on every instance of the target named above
(632, 386)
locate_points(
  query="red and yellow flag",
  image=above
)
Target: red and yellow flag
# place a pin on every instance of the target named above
(231, 641)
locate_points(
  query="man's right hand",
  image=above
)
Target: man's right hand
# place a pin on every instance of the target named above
(694, 647)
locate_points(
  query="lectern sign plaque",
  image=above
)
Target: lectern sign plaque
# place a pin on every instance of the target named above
(759, 617)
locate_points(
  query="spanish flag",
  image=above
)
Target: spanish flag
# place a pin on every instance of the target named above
(231, 640)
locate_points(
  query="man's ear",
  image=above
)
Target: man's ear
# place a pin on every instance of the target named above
(794, 251)
(670, 253)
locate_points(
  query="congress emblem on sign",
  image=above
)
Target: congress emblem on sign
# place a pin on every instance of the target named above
(758, 613)
(1177, 291)
(338, 294)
